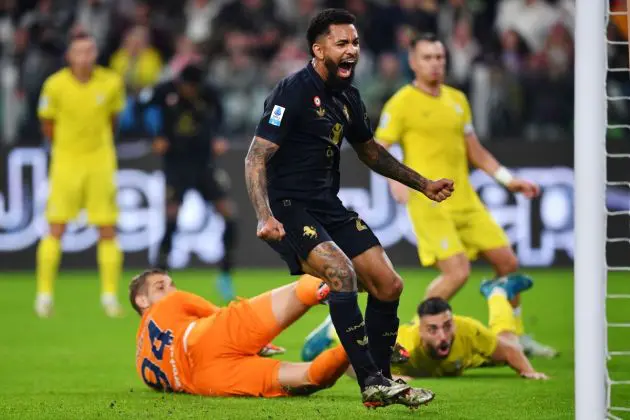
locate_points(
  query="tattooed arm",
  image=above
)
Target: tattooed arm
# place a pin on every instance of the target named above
(377, 158)
(260, 151)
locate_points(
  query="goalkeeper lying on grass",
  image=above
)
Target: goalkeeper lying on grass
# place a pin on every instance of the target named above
(438, 343)
(187, 344)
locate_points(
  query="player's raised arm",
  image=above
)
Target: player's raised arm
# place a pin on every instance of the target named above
(511, 353)
(481, 158)
(377, 158)
(259, 153)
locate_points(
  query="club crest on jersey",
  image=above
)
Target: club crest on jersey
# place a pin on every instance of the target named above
(320, 112)
(309, 232)
(458, 109)
(336, 134)
(276, 115)
(360, 225)
(100, 98)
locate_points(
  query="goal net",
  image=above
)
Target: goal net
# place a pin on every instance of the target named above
(602, 210)
(617, 210)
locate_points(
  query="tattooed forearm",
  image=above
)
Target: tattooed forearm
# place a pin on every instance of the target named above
(377, 158)
(260, 151)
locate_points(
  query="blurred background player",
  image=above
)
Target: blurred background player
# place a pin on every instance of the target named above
(187, 344)
(192, 116)
(436, 343)
(78, 108)
(433, 124)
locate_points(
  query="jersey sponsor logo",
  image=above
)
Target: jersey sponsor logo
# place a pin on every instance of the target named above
(276, 115)
(309, 232)
(336, 134)
(346, 112)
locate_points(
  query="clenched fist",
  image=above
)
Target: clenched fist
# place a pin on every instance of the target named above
(270, 229)
(439, 190)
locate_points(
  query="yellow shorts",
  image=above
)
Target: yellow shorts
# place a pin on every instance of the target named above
(76, 187)
(442, 234)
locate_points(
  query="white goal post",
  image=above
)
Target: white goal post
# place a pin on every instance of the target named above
(590, 209)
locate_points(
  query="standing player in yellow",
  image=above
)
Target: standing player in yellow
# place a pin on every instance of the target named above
(433, 124)
(78, 108)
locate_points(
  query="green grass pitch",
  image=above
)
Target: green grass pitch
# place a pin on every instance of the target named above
(80, 364)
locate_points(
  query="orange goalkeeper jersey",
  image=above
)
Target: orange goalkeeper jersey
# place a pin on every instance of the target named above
(161, 359)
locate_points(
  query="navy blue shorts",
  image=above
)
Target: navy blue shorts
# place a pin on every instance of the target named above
(307, 225)
(206, 180)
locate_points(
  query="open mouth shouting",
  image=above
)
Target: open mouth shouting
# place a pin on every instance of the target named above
(443, 349)
(346, 67)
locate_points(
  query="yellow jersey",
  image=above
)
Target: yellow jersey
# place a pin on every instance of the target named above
(82, 115)
(472, 346)
(431, 131)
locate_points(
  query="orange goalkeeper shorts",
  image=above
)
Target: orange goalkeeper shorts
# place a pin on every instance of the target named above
(223, 351)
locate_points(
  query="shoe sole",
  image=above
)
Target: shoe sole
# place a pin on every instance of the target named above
(376, 404)
(417, 405)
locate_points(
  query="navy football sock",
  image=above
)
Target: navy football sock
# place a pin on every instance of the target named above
(229, 245)
(167, 241)
(350, 326)
(381, 322)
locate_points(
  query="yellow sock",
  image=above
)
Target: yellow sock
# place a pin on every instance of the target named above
(501, 314)
(48, 256)
(110, 258)
(518, 319)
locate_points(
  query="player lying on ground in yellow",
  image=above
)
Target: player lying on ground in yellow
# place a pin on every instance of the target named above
(187, 344)
(78, 108)
(438, 343)
(433, 124)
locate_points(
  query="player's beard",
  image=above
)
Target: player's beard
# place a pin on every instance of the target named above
(334, 81)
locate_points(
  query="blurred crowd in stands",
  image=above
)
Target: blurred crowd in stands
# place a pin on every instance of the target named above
(514, 58)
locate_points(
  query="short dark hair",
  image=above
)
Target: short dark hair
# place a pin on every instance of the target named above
(320, 24)
(79, 35)
(423, 37)
(138, 286)
(433, 306)
(192, 73)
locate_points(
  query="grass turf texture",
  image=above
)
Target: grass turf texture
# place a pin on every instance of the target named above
(80, 364)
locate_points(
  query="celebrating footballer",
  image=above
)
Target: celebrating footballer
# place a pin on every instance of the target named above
(292, 176)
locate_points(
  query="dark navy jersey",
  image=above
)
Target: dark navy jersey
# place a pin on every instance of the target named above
(189, 126)
(309, 122)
